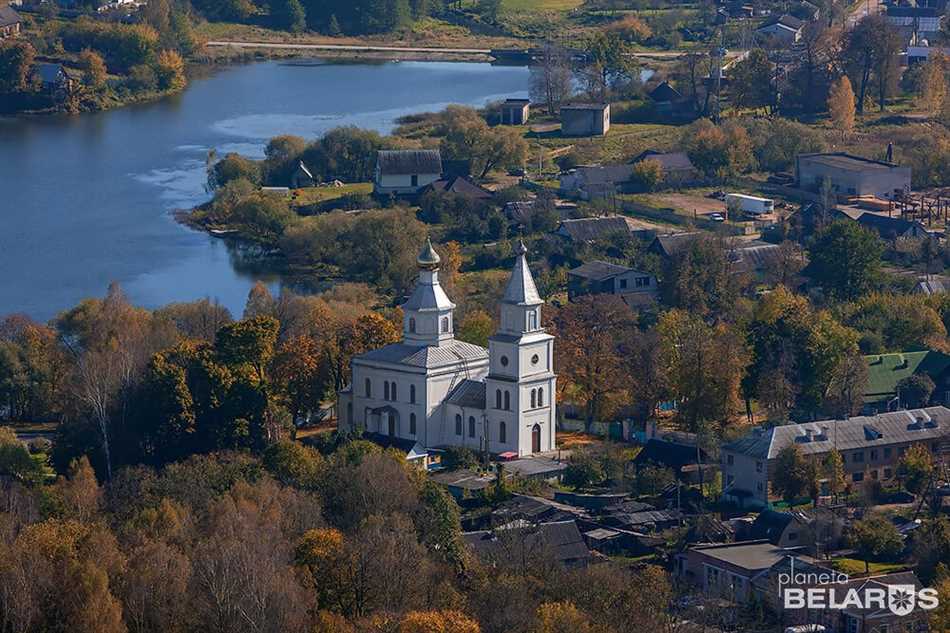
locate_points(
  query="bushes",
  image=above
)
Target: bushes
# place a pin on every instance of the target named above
(122, 45)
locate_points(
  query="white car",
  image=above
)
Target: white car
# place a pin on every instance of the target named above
(716, 217)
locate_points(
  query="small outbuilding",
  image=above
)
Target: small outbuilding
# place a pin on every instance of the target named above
(10, 22)
(585, 119)
(786, 29)
(515, 111)
(850, 175)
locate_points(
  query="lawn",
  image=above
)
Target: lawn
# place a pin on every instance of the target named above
(540, 5)
(854, 567)
(318, 195)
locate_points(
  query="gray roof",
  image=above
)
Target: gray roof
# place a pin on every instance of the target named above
(913, 12)
(426, 296)
(789, 21)
(669, 161)
(598, 270)
(468, 393)
(561, 540)
(528, 466)
(848, 162)
(665, 92)
(426, 357)
(670, 245)
(752, 556)
(521, 289)
(463, 479)
(8, 17)
(585, 106)
(50, 73)
(409, 161)
(587, 229)
(884, 429)
(888, 228)
(604, 174)
(933, 285)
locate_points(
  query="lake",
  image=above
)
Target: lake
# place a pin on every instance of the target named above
(87, 199)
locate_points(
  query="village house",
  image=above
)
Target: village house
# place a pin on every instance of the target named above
(886, 371)
(599, 277)
(592, 229)
(515, 111)
(406, 171)
(932, 285)
(783, 529)
(437, 391)
(10, 22)
(870, 446)
(53, 78)
(302, 177)
(921, 22)
(560, 542)
(669, 102)
(850, 175)
(785, 29)
(727, 570)
(590, 182)
(678, 169)
(585, 119)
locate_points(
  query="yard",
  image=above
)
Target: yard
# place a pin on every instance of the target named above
(855, 567)
(540, 5)
(318, 195)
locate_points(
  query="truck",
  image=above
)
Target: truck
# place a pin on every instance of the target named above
(751, 205)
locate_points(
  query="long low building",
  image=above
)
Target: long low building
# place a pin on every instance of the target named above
(870, 446)
(850, 175)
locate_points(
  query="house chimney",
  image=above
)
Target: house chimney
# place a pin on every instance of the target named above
(890, 152)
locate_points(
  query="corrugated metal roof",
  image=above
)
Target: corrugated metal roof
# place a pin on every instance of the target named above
(598, 270)
(9, 17)
(520, 289)
(427, 357)
(468, 393)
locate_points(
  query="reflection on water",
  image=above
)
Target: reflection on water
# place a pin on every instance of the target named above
(87, 199)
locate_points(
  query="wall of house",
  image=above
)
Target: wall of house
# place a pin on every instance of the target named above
(402, 183)
(850, 183)
(584, 122)
(741, 472)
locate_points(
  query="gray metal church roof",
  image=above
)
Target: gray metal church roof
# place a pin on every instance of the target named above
(521, 289)
(427, 357)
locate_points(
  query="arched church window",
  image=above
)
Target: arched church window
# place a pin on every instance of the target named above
(540, 396)
(502, 434)
(471, 426)
(445, 324)
(458, 424)
(369, 388)
(507, 401)
(534, 396)
(533, 320)
(385, 390)
(392, 391)
(412, 325)
(349, 413)
(497, 398)
(412, 424)
(412, 394)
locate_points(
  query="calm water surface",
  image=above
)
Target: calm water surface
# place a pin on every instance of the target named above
(86, 200)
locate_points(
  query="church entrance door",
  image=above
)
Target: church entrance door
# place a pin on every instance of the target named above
(536, 439)
(392, 424)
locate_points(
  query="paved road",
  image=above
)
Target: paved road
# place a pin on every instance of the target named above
(405, 49)
(353, 47)
(862, 9)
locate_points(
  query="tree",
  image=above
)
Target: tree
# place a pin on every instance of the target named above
(751, 82)
(841, 105)
(170, 70)
(476, 327)
(562, 617)
(552, 80)
(849, 381)
(233, 167)
(887, 48)
(915, 469)
(16, 65)
(16, 461)
(721, 152)
(874, 537)
(588, 331)
(437, 622)
(289, 15)
(608, 64)
(793, 477)
(915, 391)
(647, 174)
(832, 469)
(845, 259)
(468, 137)
(933, 83)
(93, 69)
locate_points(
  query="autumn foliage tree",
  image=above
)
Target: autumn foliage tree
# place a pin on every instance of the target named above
(841, 106)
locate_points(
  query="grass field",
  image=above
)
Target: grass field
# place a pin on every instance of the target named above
(853, 566)
(317, 195)
(540, 5)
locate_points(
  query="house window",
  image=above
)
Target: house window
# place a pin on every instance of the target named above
(534, 397)
(857, 477)
(507, 401)
(887, 452)
(412, 394)
(497, 398)
(414, 180)
(471, 426)
(643, 282)
(758, 486)
(385, 390)
(458, 424)
(873, 455)
(412, 424)
(730, 459)
(888, 473)
(445, 324)
(623, 284)
(874, 475)
(793, 536)
(412, 326)
(369, 388)
(502, 432)
(730, 479)
(858, 457)
(540, 396)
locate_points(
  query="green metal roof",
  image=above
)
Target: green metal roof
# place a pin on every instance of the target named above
(886, 370)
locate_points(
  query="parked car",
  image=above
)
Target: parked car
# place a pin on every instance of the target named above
(716, 217)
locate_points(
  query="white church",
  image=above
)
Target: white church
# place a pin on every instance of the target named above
(432, 391)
